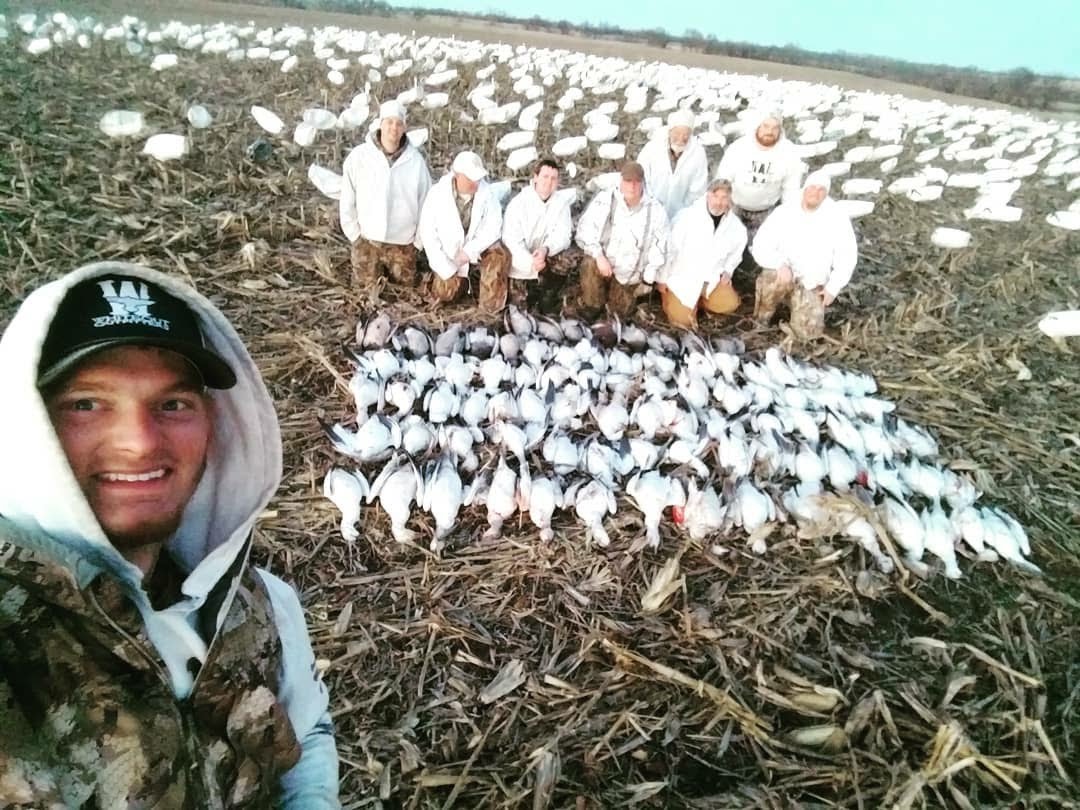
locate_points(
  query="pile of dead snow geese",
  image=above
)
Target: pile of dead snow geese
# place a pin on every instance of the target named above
(549, 416)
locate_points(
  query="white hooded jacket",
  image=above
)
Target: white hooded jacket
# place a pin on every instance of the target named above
(635, 241)
(442, 235)
(531, 223)
(819, 246)
(761, 178)
(39, 493)
(700, 254)
(678, 188)
(379, 201)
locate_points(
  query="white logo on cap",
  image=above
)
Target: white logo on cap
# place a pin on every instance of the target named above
(130, 305)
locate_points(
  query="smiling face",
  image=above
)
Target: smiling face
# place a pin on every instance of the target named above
(390, 132)
(135, 425)
(546, 181)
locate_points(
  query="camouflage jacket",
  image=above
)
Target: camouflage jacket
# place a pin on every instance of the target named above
(87, 715)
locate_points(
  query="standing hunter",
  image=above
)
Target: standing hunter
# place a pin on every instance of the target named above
(384, 182)
(764, 170)
(143, 661)
(676, 166)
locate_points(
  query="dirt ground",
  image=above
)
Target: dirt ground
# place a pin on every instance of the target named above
(207, 10)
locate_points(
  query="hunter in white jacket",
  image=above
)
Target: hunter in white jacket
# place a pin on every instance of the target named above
(384, 183)
(676, 166)
(807, 250)
(764, 171)
(537, 225)
(537, 230)
(141, 446)
(460, 225)
(624, 235)
(707, 244)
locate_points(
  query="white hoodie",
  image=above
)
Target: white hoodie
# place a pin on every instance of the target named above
(39, 493)
(531, 223)
(679, 188)
(819, 246)
(761, 177)
(441, 233)
(700, 254)
(379, 201)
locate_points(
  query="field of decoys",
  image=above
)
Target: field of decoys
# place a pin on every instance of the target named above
(558, 563)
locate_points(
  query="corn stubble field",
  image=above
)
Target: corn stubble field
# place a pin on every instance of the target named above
(801, 678)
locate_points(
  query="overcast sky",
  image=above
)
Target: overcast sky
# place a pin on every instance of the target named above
(1043, 35)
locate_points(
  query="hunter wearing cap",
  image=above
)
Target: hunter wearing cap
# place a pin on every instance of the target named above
(383, 184)
(807, 251)
(676, 166)
(460, 225)
(624, 234)
(143, 661)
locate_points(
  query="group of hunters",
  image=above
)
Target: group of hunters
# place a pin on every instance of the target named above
(144, 661)
(666, 226)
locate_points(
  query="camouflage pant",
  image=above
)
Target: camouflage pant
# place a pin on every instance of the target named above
(545, 291)
(807, 308)
(493, 274)
(371, 259)
(752, 220)
(748, 268)
(598, 291)
(722, 301)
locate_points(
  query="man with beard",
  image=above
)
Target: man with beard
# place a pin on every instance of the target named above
(764, 170)
(676, 166)
(807, 252)
(537, 231)
(384, 182)
(707, 243)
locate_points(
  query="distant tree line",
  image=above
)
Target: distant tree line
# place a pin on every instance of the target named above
(1020, 87)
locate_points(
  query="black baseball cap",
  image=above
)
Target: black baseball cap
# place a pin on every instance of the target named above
(117, 310)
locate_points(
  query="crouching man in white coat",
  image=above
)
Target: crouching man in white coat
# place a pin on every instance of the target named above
(537, 231)
(624, 234)
(460, 226)
(807, 252)
(144, 662)
(707, 244)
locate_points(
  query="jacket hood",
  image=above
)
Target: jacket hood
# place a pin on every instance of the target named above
(39, 492)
